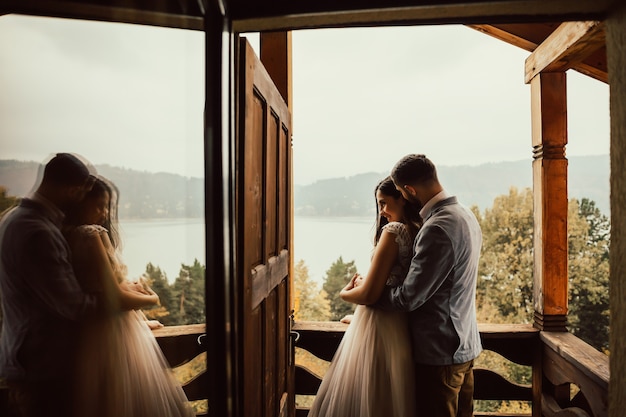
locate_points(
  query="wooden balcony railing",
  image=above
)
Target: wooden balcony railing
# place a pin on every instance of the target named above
(575, 377)
(183, 350)
(568, 376)
(182, 346)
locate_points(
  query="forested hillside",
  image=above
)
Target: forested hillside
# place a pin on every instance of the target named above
(143, 195)
(474, 185)
(161, 195)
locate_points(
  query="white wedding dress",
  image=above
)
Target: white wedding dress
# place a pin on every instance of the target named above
(372, 372)
(121, 370)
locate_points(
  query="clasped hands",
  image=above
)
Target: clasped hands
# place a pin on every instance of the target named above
(355, 281)
(140, 286)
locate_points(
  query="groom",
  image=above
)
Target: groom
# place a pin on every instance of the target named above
(42, 303)
(439, 292)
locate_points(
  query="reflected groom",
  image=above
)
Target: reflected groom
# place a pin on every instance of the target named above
(42, 302)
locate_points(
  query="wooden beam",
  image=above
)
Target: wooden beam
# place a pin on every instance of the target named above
(272, 15)
(257, 16)
(596, 70)
(163, 13)
(616, 53)
(530, 36)
(505, 36)
(570, 44)
(276, 58)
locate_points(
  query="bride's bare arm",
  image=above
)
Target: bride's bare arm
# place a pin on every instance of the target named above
(116, 294)
(130, 297)
(368, 291)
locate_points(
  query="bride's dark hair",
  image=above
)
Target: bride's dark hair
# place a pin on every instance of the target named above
(100, 187)
(410, 216)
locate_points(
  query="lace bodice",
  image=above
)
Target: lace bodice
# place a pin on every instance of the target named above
(90, 229)
(118, 266)
(405, 253)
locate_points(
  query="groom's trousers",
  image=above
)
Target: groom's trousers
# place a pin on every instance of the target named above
(445, 391)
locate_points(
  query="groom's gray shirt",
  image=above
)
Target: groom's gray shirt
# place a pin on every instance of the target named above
(439, 291)
(42, 302)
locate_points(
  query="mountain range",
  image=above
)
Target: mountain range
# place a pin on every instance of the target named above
(588, 177)
(148, 195)
(142, 195)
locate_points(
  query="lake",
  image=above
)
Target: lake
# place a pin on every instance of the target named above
(167, 243)
(319, 241)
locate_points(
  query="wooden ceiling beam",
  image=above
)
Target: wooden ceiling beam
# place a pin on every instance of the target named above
(181, 15)
(508, 37)
(503, 19)
(567, 47)
(258, 16)
(268, 15)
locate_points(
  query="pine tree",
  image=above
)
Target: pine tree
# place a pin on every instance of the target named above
(157, 280)
(337, 276)
(188, 293)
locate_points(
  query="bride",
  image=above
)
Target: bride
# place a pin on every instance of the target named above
(121, 371)
(372, 373)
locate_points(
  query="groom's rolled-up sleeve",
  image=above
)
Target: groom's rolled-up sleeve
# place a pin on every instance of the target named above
(432, 264)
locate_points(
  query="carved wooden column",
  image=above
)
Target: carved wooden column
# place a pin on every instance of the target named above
(549, 137)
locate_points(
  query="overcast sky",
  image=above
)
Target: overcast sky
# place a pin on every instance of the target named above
(133, 96)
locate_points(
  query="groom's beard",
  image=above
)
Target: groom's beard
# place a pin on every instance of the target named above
(415, 202)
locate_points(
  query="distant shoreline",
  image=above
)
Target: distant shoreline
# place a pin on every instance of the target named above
(146, 196)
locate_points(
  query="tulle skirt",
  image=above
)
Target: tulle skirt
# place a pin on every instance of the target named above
(372, 372)
(122, 372)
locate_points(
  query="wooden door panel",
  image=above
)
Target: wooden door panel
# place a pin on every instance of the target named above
(264, 210)
(271, 343)
(253, 355)
(271, 197)
(267, 276)
(253, 179)
(282, 349)
(284, 204)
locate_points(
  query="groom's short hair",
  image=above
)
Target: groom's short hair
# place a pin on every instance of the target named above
(413, 169)
(66, 169)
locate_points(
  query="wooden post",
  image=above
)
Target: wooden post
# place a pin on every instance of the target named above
(549, 137)
(616, 55)
(276, 58)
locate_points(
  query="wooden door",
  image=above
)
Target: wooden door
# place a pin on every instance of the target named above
(263, 180)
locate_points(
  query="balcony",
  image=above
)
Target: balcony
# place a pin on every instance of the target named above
(569, 377)
(182, 348)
